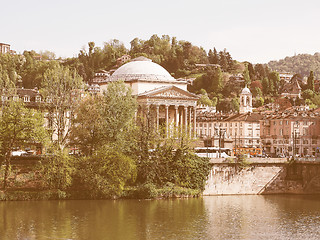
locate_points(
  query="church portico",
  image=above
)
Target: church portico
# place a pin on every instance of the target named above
(170, 116)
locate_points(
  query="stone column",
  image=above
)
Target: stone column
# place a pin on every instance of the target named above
(157, 117)
(176, 116)
(186, 119)
(194, 122)
(167, 120)
(190, 116)
(147, 115)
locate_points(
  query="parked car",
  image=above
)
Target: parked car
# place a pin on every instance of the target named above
(19, 153)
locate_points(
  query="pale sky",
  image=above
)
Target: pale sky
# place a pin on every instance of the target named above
(251, 30)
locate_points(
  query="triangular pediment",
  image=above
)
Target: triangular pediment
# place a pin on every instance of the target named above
(171, 92)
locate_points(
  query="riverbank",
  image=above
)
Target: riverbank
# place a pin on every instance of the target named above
(254, 177)
(146, 191)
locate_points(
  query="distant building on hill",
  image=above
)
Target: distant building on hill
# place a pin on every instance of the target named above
(4, 48)
(291, 89)
(285, 76)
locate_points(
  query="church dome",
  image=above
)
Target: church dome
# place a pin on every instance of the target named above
(246, 91)
(141, 68)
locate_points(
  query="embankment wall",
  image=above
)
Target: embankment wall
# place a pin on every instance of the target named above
(264, 177)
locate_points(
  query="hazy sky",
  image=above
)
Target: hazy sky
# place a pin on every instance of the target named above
(252, 30)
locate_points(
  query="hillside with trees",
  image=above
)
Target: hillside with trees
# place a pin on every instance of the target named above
(299, 64)
(213, 74)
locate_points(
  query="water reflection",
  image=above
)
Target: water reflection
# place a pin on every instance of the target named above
(215, 217)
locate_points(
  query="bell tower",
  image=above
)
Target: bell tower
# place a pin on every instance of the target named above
(245, 100)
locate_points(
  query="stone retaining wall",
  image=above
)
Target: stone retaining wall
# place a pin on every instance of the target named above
(263, 178)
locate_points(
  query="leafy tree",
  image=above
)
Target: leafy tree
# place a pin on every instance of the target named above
(117, 114)
(307, 94)
(246, 76)
(61, 88)
(211, 81)
(260, 71)
(86, 131)
(204, 99)
(265, 86)
(214, 101)
(310, 81)
(213, 56)
(251, 70)
(106, 120)
(235, 104)
(316, 100)
(259, 101)
(57, 170)
(256, 87)
(223, 60)
(274, 82)
(105, 173)
(18, 126)
(170, 161)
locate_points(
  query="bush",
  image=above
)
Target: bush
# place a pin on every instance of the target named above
(57, 170)
(105, 173)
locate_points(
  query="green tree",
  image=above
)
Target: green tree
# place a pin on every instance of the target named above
(265, 85)
(61, 88)
(106, 120)
(86, 131)
(18, 126)
(252, 72)
(118, 114)
(57, 170)
(259, 101)
(246, 76)
(274, 82)
(105, 173)
(316, 100)
(235, 104)
(204, 99)
(307, 94)
(310, 81)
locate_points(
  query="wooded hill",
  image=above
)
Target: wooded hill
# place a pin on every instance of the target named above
(299, 64)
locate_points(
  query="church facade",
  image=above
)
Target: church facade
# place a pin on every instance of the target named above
(159, 95)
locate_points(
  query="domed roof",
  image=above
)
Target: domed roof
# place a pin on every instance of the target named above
(141, 68)
(246, 91)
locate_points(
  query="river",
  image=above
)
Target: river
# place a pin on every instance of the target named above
(214, 217)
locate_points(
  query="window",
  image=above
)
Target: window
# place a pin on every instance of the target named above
(305, 131)
(26, 98)
(281, 122)
(38, 99)
(281, 132)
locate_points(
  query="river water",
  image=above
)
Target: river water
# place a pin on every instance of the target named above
(214, 217)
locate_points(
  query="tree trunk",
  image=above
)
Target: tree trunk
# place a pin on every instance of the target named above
(6, 170)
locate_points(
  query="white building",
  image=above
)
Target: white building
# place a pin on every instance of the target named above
(158, 93)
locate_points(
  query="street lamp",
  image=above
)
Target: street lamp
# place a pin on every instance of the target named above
(220, 132)
(295, 135)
